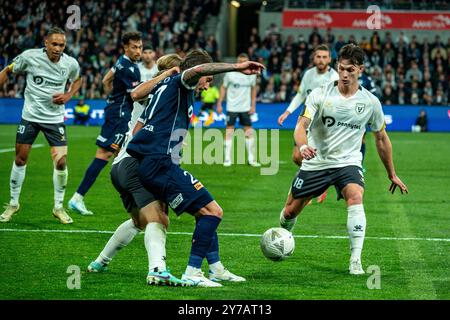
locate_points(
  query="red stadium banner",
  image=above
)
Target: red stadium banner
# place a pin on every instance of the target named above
(412, 20)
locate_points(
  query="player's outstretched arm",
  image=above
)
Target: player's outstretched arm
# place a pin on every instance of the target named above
(384, 148)
(4, 75)
(222, 94)
(253, 100)
(192, 75)
(143, 90)
(62, 98)
(301, 140)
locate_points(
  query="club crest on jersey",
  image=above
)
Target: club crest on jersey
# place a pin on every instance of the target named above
(63, 71)
(360, 107)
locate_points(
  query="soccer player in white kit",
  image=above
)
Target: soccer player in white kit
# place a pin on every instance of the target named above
(313, 78)
(148, 66)
(47, 71)
(240, 90)
(336, 116)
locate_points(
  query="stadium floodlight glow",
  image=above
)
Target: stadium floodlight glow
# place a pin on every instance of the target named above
(235, 4)
(264, 3)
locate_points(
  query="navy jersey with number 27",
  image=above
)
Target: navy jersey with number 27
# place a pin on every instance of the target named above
(165, 120)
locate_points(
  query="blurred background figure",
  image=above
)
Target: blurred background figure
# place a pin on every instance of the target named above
(82, 113)
(421, 123)
(209, 98)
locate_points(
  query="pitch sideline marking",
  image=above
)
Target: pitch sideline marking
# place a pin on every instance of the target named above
(226, 234)
(39, 145)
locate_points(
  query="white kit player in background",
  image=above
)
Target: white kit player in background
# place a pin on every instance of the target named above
(240, 92)
(148, 66)
(47, 72)
(313, 78)
(329, 135)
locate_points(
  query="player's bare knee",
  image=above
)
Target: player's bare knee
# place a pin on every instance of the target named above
(59, 156)
(354, 198)
(20, 161)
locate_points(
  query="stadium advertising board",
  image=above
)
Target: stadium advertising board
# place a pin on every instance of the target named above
(398, 118)
(410, 20)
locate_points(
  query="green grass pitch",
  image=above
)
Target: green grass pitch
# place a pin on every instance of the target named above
(34, 263)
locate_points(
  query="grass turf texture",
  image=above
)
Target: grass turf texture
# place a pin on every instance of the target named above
(34, 264)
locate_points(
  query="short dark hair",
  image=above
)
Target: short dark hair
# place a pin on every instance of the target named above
(55, 30)
(133, 35)
(322, 47)
(194, 58)
(353, 53)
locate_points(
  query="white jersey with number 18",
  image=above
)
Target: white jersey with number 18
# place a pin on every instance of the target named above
(338, 124)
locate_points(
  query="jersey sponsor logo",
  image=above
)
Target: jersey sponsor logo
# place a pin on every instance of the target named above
(360, 107)
(176, 202)
(38, 80)
(328, 121)
(349, 125)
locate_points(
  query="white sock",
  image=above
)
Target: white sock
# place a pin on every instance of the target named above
(356, 226)
(191, 271)
(59, 185)
(286, 223)
(217, 267)
(155, 243)
(77, 197)
(15, 183)
(249, 142)
(228, 145)
(121, 238)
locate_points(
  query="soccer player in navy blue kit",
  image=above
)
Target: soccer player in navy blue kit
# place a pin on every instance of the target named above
(123, 77)
(157, 143)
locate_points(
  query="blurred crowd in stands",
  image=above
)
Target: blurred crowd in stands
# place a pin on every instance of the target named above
(403, 70)
(167, 27)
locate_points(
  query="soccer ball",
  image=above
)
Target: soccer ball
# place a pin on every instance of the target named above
(277, 244)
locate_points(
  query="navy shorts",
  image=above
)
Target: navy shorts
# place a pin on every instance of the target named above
(113, 132)
(55, 133)
(173, 185)
(314, 183)
(124, 176)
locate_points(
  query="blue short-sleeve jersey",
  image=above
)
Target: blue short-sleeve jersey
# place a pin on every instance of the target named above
(126, 77)
(165, 120)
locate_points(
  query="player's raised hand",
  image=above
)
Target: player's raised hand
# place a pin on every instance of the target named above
(396, 182)
(250, 67)
(307, 152)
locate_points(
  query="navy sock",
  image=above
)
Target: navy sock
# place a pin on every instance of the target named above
(202, 239)
(363, 151)
(91, 174)
(213, 253)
